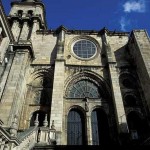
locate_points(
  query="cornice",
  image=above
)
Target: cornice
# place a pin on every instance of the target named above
(85, 32)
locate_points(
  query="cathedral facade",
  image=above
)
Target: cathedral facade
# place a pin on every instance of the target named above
(70, 87)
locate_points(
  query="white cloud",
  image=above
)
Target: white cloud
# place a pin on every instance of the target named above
(135, 6)
(124, 23)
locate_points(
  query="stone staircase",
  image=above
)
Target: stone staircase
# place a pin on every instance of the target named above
(33, 138)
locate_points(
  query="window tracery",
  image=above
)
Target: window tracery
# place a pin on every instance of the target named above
(82, 89)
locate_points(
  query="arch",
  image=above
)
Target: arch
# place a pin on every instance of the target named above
(43, 74)
(100, 127)
(41, 82)
(95, 79)
(77, 107)
(76, 127)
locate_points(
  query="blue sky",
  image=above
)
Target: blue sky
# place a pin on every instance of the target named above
(120, 15)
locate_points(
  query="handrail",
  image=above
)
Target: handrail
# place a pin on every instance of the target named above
(26, 133)
(5, 134)
(22, 140)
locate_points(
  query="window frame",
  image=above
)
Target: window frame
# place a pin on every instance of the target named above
(84, 39)
(88, 84)
(84, 48)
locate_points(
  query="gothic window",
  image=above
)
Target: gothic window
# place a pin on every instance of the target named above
(84, 49)
(75, 128)
(100, 128)
(84, 88)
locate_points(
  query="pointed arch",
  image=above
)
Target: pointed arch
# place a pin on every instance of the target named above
(41, 82)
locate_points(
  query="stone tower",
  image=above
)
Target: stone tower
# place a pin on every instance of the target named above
(71, 87)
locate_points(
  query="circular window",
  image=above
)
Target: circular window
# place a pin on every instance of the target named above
(84, 49)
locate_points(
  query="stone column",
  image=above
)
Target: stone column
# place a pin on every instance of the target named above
(13, 95)
(89, 129)
(16, 29)
(24, 32)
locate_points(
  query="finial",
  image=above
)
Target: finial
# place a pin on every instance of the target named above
(53, 126)
(14, 126)
(45, 122)
(36, 122)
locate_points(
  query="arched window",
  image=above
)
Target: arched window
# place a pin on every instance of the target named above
(84, 88)
(100, 128)
(75, 128)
